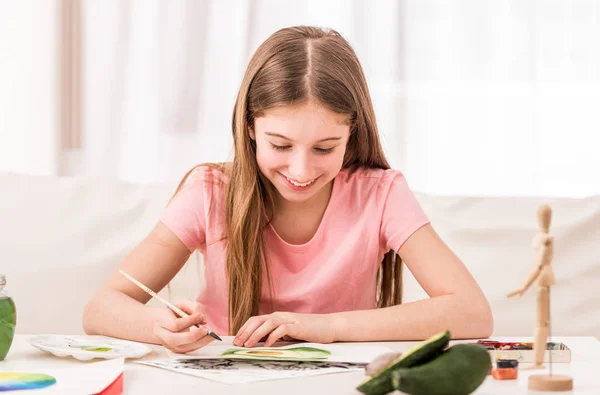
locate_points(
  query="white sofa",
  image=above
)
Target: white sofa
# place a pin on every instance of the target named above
(62, 237)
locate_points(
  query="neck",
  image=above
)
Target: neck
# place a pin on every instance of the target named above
(316, 203)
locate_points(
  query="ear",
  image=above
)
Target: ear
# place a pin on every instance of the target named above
(251, 132)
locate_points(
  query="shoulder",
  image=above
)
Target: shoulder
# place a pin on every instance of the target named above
(206, 179)
(207, 174)
(375, 185)
(202, 185)
(366, 178)
(199, 202)
(195, 212)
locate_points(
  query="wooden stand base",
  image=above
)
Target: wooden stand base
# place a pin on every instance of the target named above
(545, 382)
(532, 367)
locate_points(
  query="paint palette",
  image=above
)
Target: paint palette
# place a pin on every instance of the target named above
(11, 381)
(85, 348)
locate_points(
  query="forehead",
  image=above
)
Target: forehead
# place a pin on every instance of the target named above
(306, 115)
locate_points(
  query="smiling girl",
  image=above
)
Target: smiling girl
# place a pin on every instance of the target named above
(304, 234)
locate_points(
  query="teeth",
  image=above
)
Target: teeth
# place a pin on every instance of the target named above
(298, 184)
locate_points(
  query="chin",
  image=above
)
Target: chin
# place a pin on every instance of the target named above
(294, 197)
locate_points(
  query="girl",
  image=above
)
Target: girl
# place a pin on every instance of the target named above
(304, 233)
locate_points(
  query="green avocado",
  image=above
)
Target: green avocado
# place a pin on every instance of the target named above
(460, 370)
(418, 354)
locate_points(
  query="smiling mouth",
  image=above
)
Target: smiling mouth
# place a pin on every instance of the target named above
(300, 184)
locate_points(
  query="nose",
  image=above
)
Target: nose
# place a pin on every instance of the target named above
(299, 167)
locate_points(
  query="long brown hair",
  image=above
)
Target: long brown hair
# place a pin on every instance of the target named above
(293, 66)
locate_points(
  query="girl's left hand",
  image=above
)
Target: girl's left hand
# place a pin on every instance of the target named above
(315, 328)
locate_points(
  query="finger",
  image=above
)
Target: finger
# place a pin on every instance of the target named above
(170, 339)
(190, 306)
(242, 329)
(248, 328)
(279, 333)
(265, 329)
(173, 339)
(193, 346)
(181, 324)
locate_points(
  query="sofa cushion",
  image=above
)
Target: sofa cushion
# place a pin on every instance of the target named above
(63, 237)
(493, 237)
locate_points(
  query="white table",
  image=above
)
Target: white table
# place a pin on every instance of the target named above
(141, 379)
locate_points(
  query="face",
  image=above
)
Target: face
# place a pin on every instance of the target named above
(300, 149)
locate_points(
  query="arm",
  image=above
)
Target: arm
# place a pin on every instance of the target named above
(456, 302)
(530, 280)
(118, 308)
(544, 257)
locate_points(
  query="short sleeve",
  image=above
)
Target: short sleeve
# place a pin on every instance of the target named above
(402, 214)
(185, 213)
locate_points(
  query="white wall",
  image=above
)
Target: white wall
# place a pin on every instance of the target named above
(29, 101)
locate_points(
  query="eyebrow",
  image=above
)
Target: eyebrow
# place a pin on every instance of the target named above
(286, 138)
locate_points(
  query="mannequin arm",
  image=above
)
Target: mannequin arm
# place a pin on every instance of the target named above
(526, 286)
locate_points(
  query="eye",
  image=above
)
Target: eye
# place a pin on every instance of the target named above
(323, 150)
(279, 147)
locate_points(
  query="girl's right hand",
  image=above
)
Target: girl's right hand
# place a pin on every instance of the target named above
(179, 334)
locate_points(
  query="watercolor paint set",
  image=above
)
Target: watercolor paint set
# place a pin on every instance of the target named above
(523, 351)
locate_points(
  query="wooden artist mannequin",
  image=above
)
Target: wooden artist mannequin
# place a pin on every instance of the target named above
(543, 245)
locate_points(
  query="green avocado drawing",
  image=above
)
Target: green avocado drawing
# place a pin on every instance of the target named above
(275, 353)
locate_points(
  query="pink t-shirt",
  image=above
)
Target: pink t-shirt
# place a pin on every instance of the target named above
(370, 212)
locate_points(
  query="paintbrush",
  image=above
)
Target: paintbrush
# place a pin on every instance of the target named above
(175, 309)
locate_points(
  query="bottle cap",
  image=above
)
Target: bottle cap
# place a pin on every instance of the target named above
(507, 363)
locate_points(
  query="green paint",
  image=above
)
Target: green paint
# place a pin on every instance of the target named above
(8, 320)
(96, 349)
(91, 347)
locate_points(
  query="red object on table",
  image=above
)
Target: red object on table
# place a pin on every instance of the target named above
(115, 388)
(506, 369)
(505, 374)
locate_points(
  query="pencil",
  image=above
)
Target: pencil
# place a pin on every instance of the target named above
(174, 308)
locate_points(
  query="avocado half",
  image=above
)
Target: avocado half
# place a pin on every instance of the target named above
(418, 354)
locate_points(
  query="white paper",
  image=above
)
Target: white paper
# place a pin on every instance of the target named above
(247, 371)
(337, 352)
(209, 362)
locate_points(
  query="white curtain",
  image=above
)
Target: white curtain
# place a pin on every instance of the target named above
(477, 97)
(500, 96)
(159, 86)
